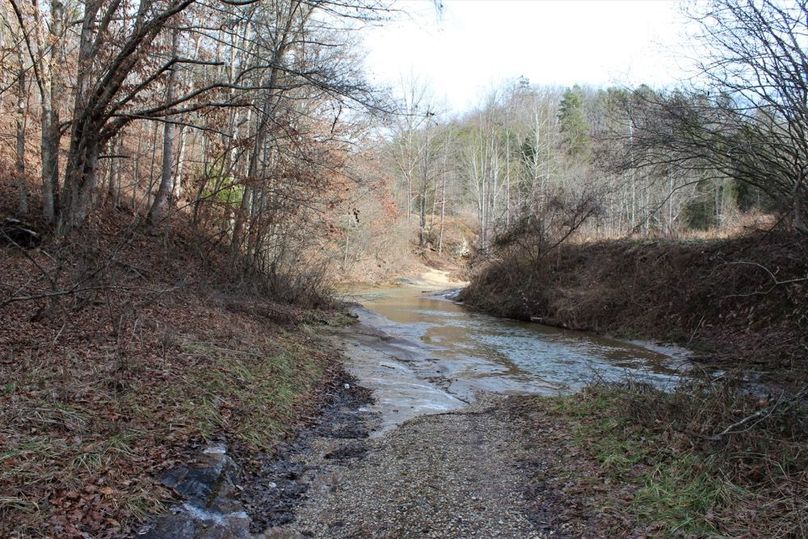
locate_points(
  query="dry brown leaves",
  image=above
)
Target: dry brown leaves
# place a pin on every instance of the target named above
(93, 374)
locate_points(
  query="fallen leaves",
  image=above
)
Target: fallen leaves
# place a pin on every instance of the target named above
(99, 397)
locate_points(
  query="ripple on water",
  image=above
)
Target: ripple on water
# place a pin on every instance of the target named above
(497, 353)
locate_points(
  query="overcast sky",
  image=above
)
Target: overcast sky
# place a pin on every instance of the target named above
(475, 45)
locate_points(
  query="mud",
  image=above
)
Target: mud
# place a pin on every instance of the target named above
(273, 491)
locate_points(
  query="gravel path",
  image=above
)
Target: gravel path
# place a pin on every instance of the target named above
(423, 462)
(447, 475)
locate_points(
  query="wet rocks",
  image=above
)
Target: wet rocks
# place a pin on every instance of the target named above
(222, 500)
(211, 509)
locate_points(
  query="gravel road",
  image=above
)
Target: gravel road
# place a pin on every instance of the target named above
(449, 475)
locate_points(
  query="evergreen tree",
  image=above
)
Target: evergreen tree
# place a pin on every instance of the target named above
(572, 123)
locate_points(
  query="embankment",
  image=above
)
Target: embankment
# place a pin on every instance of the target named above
(733, 300)
(122, 350)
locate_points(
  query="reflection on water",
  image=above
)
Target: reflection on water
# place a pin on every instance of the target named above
(475, 351)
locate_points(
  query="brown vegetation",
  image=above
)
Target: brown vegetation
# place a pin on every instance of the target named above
(118, 348)
(703, 461)
(742, 299)
(384, 249)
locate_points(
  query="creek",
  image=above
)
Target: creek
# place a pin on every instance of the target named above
(422, 352)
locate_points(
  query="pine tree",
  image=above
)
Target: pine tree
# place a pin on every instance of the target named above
(572, 123)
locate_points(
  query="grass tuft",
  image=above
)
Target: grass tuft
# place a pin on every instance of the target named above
(694, 463)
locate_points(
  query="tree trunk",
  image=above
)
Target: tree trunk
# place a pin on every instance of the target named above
(114, 187)
(243, 210)
(78, 189)
(508, 181)
(80, 178)
(442, 207)
(133, 186)
(19, 160)
(50, 163)
(203, 183)
(422, 222)
(51, 96)
(424, 190)
(182, 154)
(166, 188)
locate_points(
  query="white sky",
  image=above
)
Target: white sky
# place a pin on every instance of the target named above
(477, 44)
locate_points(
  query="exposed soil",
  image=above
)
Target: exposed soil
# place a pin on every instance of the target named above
(388, 250)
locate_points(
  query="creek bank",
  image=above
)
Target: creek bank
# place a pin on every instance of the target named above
(740, 301)
(711, 457)
(147, 348)
(237, 494)
(609, 461)
(613, 460)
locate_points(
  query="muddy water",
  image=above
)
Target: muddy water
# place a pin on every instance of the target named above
(426, 353)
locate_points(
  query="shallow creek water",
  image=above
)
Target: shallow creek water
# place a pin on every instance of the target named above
(422, 352)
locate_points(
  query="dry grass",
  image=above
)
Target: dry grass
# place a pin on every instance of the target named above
(741, 224)
(83, 438)
(742, 300)
(706, 460)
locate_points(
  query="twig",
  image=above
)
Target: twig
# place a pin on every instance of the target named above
(760, 415)
(76, 290)
(773, 277)
(693, 335)
(30, 258)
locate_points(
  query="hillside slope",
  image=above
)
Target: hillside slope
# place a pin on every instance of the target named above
(122, 348)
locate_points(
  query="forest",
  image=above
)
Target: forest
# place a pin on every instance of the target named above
(194, 192)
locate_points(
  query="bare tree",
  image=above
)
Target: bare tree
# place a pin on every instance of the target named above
(750, 122)
(159, 61)
(409, 140)
(21, 119)
(42, 37)
(166, 188)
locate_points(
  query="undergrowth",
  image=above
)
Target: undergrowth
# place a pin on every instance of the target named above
(120, 355)
(740, 300)
(704, 460)
(81, 447)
